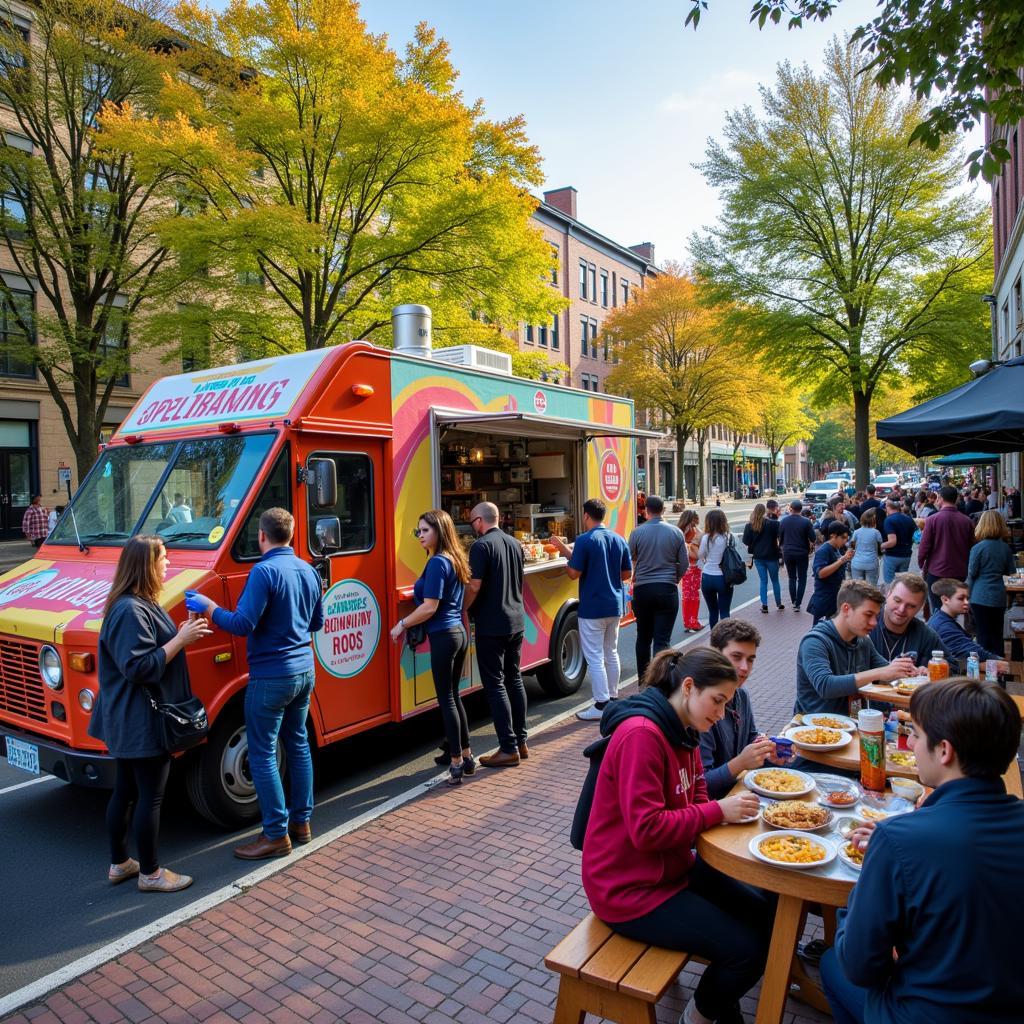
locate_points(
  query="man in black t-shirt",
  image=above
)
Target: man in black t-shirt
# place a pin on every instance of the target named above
(796, 538)
(494, 599)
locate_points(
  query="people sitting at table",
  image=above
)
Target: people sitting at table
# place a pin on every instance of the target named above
(899, 631)
(829, 568)
(931, 934)
(650, 805)
(958, 643)
(733, 745)
(991, 559)
(835, 658)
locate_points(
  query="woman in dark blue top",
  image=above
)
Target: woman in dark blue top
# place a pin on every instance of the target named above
(438, 595)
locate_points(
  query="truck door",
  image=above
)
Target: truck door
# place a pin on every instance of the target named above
(352, 648)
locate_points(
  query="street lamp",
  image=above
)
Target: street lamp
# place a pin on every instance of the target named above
(990, 300)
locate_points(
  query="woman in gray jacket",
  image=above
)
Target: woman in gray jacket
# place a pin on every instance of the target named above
(991, 559)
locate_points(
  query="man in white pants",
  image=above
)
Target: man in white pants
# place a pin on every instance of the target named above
(600, 561)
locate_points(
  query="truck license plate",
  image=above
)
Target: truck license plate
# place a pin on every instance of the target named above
(23, 755)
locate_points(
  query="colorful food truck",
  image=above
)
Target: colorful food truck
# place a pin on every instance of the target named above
(356, 441)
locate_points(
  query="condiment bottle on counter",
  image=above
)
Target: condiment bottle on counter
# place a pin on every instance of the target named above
(938, 667)
(871, 727)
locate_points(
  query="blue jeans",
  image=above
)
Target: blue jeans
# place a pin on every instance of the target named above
(892, 564)
(846, 999)
(278, 707)
(717, 596)
(768, 567)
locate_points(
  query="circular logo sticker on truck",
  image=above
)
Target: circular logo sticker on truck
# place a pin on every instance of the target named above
(611, 475)
(26, 585)
(540, 402)
(351, 629)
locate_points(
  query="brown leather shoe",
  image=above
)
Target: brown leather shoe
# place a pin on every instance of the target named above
(524, 752)
(500, 760)
(300, 834)
(263, 847)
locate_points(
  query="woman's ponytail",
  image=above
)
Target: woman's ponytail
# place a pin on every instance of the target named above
(704, 665)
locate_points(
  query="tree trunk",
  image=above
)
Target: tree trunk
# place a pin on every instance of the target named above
(700, 470)
(861, 439)
(682, 436)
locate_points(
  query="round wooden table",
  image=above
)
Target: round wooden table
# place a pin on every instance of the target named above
(725, 848)
(884, 692)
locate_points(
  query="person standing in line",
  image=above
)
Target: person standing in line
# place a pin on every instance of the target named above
(600, 561)
(796, 537)
(946, 542)
(870, 501)
(277, 612)
(717, 593)
(991, 559)
(658, 551)
(689, 523)
(867, 546)
(494, 600)
(898, 546)
(35, 522)
(761, 538)
(829, 567)
(140, 653)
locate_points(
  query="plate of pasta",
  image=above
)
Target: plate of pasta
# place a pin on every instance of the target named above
(838, 722)
(816, 738)
(778, 782)
(789, 849)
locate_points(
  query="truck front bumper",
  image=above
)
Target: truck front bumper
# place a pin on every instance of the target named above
(84, 768)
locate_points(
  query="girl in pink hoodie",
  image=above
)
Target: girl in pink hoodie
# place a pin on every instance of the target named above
(650, 804)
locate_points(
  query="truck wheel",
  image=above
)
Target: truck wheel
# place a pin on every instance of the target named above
(563, 674)
(219, 783)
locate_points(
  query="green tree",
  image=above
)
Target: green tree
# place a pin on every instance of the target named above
(336, 179)
(968, 54)
(79, 220)
(847, 243)
(831, 443)
(781, 418)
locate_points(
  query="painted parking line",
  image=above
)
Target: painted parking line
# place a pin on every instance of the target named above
(31, 782)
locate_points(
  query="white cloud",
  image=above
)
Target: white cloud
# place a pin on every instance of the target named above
(718, 93)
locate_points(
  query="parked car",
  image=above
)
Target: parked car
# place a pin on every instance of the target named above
(884, 483)
(822, 490)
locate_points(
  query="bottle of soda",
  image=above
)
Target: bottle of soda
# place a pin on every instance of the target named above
(973, 666)
(871, 727)
(938, 667)
(992, 670)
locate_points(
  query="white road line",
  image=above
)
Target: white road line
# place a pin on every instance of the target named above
(31, 782)
(42, 986)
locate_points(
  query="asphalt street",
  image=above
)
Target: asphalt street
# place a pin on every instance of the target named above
(57, 904)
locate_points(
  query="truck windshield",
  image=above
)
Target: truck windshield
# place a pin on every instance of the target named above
(186, 492)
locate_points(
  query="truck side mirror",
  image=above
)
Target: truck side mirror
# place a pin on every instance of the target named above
(324, 474)
(328, 533)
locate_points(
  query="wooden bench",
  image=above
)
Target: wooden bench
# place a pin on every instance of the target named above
(609, 975)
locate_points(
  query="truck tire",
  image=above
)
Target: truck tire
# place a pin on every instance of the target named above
(217, 776)
(563, 675)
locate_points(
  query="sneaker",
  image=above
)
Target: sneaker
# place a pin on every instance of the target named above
(796, 607)
(764, 609)
(165, 880)
(468, 766)
(455, 775)
(591, 714)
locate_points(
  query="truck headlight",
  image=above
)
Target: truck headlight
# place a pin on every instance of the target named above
(86, 698)
(50, 667)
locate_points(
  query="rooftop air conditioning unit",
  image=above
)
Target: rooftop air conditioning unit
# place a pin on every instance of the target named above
(476, 357)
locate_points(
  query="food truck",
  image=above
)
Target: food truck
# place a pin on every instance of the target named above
(356, 441)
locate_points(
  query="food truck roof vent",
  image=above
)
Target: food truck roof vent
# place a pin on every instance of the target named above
(476, 357)
(410, 328)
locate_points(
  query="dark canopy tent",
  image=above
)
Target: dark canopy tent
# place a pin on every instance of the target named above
(985, 413)
(967, 459)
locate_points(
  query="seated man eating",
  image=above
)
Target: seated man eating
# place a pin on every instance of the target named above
(959, 644)
(899, 630)
(931, 934)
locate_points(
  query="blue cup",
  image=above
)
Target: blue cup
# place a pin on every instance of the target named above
(783, 746)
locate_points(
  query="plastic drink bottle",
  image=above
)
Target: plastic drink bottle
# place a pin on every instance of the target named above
(974, 666)
(938, 667)
(992, 670)
(871, 727)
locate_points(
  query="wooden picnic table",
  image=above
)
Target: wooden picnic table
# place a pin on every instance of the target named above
(884, 692)
(725, 848)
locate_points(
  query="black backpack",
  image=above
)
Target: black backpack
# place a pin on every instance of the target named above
(595, 754)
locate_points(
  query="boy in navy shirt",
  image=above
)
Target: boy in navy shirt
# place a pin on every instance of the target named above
(600, 561)
(829, 570)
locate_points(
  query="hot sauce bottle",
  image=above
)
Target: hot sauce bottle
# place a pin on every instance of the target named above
(871, 727)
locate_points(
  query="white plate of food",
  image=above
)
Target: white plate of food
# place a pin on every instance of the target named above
(778, 782)
(838, 791)
(825, 721)
(851, 856)
(846, 824)
(901, 758)
(878, 807)
(813, 737)
(909, 685)
(792, 849)
(796, 816)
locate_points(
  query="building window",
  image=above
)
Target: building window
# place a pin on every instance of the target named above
(13, 212)
(584, 325)
(593, 282)
(625, 292)
(542, 336)
(554, 332)
(113, 345)
(18, 326)
(529, 334)
(583, 280)
(554, 268)
(593, 339)
(585, 381)
(15, 56)
(1006, 322)
(590, 382)
(1017, 314)
(604, 347)
(604, 288)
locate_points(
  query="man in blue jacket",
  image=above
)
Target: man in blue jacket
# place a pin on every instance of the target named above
(278, 610)
(931, 935)
(958, 643)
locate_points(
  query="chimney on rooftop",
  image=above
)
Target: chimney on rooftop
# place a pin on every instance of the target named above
(563, 199)
(645, 249)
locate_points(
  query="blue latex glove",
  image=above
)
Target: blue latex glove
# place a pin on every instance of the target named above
(195, 603)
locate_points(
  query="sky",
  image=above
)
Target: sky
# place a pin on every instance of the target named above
(619, 99)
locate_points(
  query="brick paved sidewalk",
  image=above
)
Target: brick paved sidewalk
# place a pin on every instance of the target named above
(440, 911)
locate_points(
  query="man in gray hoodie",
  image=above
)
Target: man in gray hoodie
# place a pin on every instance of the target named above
(836, 658)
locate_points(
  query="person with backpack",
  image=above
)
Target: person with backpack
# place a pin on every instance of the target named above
(717, 540)
(649, 805)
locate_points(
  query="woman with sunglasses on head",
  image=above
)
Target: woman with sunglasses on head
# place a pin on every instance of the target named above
(650, 805)
(438, 594)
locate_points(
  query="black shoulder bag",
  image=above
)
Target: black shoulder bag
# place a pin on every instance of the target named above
(734, 572)
(182, 725)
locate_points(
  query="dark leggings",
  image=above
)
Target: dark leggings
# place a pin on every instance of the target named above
(796, 570)
(447, 656)
(988, 627)
(140, 785)
(715, 917)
